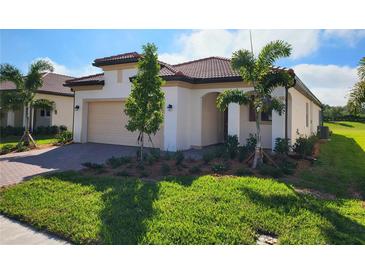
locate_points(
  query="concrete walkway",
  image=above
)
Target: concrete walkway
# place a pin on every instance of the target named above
(15, 233)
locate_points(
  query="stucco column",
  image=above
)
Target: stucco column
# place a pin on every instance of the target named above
(170, 121)
(234, 119)
(10, 121)
(278, 121)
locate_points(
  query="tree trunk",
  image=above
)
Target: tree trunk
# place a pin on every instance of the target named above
(258, 158)
(27, 138)
(141, 155)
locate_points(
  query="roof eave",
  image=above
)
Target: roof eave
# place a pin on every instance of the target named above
(84, 83)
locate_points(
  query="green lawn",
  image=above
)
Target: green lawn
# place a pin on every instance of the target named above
(205, 210)
(340, 169)
(40, 140)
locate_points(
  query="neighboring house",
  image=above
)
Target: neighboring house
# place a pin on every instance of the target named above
(192, 119)
(53, 90)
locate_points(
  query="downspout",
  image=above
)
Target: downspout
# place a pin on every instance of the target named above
(73, 114)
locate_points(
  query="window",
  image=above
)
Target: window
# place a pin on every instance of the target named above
(48, 113)
(42, 112)
(306, 114)
(265, 116)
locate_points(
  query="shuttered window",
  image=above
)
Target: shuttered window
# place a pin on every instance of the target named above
(265, 116)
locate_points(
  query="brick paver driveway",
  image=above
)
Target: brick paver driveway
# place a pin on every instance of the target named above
(17, 167)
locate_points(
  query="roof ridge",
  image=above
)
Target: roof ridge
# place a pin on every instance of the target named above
(58, 74)
(119, 55)
(84, 77)
(202, 59)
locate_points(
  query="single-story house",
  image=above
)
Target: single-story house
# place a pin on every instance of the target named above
(53, 90)
(192, 119)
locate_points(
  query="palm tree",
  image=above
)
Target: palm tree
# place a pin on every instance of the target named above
(356, 102)
(23, 96)
(264, 78)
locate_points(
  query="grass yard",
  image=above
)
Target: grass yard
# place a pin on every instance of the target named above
(340, 169)
(205, 210)
(40, 140)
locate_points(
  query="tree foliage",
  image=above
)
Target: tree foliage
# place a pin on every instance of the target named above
(25, 88)
(264, 78)
(145, 104)
(356, 101)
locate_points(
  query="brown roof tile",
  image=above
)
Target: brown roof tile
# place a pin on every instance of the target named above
(52, 83)
(129, 57)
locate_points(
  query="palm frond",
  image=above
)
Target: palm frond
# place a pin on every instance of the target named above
(11, 100)
(276, 78)
(244, 62)
(11, 74)
(271, 52)
(33, 79)
(233, 96)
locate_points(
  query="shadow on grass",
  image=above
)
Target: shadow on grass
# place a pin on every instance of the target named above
(343, 230)
(127, 204)
(339, 169)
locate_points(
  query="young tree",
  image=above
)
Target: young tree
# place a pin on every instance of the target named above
(23, 96)
(264, 78)
(146, 102)
(356, 102)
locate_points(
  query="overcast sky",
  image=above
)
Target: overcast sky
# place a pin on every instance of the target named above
(325, 60)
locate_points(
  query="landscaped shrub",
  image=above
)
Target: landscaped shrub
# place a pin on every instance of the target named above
(194, 169)
(156, 153)
(221, 152)
(242, 153)
(21, 147)
(208, 156)
(271, 171)
(232, 145)
(242, 171)
(93, 166)
(304, 146)
(143, 173)
(7, 149)
(115, 162)
(62, 128)
(11, 131)
(64, 137)
(281, 145)
(122, 173)
(179, 157)
(251, 142)
(165, 169)
(54, 130)
(220, 167)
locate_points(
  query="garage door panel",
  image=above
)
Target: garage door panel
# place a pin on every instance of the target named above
(106, 124)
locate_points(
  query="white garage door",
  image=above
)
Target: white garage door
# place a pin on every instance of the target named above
(106, 124)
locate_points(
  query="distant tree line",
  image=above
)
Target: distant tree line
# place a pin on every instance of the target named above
(342, 113)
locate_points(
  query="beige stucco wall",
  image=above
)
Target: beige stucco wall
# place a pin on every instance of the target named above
(63, 107)
(248, 127)
(298, 115)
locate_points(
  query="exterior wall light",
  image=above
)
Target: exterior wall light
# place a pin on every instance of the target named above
(77, 107)
(169, 107)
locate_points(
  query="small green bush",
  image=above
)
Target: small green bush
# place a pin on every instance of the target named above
(21, 147)
(122, 173)
(7, 149)
(93, 166)
(165, 169)
(143, 173)
(115, 162)
(231, 145)
(251, 143)
(64, 137)
(242, 153)
(281, 146)
(221, 152)
(220, 167)
(304, 146)
(208, 156)
(271, 171)
(11, 131)
(62, 128)
(242, 171)
(179, 157)
(156, 153)
(194, 169)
